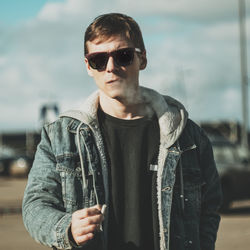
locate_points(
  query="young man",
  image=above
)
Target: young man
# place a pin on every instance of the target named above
(129, 151)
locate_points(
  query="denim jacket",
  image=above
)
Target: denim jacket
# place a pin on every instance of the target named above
(70, 172)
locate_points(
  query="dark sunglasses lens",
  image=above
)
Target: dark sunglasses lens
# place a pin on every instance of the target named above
(98, 61)
(124, 57)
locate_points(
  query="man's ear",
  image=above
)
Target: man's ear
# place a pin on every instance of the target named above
(143, 58)
(90, 73)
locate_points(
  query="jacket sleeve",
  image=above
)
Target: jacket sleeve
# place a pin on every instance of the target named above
(211, 196)
(43, 210)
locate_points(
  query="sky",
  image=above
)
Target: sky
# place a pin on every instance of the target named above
(192, 49)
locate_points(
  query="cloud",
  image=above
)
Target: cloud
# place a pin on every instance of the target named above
(73, 9)
(192, 48)
(196, 10)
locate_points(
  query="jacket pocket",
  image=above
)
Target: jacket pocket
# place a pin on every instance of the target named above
(192, 192)
(71, 181)
(185, 222)
(192, 182)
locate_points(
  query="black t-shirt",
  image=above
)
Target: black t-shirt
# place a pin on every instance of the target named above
(132, 145)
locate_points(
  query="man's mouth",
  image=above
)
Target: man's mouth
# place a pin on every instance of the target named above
(111, 81)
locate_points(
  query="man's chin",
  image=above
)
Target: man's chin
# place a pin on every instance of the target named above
(127, 99)
(122, 94)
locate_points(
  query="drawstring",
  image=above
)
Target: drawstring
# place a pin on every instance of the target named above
(181, 180)
(82, 165)
(84, 181)
(90, 163)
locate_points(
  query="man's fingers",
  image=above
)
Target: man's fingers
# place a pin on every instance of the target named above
(86, 212)
(95, 219)
(98, 206)
(85, 223)
(88, 229)
(82, 239)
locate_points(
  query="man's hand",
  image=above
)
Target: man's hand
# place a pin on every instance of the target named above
(85, 223)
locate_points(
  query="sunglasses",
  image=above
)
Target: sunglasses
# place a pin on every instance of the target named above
(122, 57)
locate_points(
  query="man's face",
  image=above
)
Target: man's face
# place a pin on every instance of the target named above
(117, 82)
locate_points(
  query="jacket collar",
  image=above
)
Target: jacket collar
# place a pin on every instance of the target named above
(172, 115)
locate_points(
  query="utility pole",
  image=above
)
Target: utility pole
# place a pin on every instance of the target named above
(244, 75)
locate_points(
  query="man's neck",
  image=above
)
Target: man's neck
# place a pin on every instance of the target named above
(123, 109)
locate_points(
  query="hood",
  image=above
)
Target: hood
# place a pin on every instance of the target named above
(171, 114)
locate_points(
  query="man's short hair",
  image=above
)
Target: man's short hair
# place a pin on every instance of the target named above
(107, 25)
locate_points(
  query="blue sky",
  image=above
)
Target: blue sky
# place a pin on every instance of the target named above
(14, 11)
(192, 48)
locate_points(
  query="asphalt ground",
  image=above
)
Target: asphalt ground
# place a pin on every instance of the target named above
(234, 231)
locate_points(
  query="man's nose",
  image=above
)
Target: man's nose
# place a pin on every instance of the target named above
(110, 64)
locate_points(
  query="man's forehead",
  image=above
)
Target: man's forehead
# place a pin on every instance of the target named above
(109, 42)
(103, 36)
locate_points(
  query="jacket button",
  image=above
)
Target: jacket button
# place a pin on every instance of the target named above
(165, 230)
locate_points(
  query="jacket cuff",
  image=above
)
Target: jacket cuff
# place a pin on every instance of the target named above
(61, 230)
(71, 239)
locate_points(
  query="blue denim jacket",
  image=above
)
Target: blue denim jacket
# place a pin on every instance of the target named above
(70, 172)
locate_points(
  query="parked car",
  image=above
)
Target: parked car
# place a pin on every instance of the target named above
(13, 163)
(234, 172)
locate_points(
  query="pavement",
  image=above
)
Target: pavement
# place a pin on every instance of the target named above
(11, 194)
(13, 235)
(234, 231)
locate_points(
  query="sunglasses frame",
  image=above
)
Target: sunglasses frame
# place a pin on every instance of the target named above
(107, 55)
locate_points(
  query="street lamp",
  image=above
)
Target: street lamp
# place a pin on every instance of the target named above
(244, 75)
